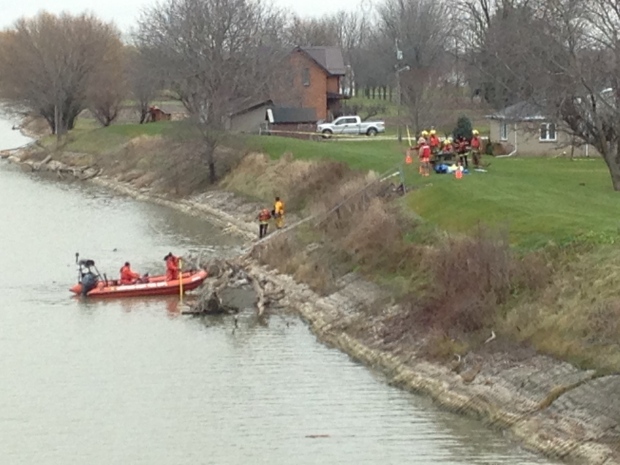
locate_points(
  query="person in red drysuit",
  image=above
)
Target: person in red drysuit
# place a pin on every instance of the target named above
(172, 267)
(434, 142)
(128, 276)
(462, 149)
(424, 151)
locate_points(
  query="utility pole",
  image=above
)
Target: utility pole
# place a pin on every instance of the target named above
(399, 100)
(56, 126)
(399, 58)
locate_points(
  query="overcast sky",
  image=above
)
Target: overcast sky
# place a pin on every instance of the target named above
(125, 12)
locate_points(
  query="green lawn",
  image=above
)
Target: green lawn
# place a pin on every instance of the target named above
(538, 199)
(90, 137)
(376, 155)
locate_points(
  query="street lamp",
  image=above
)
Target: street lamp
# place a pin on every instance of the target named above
(398, 95)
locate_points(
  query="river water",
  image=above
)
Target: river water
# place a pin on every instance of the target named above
(132, 382)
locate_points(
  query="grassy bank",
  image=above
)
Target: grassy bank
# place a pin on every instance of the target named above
(549, 282)
(538, 200)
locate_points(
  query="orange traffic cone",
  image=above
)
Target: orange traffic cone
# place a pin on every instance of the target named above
(408, 159)
(458, 174)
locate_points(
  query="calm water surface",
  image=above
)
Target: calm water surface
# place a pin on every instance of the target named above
(130, 382)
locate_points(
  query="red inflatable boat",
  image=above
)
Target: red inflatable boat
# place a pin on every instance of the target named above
(149, 286)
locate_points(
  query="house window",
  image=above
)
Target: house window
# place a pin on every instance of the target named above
(503, 131)
(547, 132)
(305, 77)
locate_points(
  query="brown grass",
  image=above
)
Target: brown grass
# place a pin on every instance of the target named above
(576, 317)
(288, 254)
(297, 182)
(471, 280)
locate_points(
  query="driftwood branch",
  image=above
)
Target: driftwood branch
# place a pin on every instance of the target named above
(61, 169)
(236, 273)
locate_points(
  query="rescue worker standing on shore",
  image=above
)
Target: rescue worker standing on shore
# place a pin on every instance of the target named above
(475, 148)
(278, 213)
(128, 276)
(433, 142)
(462, 150)
(425, 156)
(172, 267)
(263, 222)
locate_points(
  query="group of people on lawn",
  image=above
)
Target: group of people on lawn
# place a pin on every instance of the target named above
(432, 151)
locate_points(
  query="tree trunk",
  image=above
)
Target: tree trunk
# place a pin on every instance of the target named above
(144, 110)
(612, 159)
(212, 175)
(614, 171)
(210, 161)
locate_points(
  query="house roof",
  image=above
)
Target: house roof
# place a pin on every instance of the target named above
(522, 111)
(243, 105)
(292, 115)
(328, 58)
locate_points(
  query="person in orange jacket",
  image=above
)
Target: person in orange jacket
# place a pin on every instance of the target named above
(475, 148)
(172, 267)
(263, 222)
(128, 276)
(434, 143)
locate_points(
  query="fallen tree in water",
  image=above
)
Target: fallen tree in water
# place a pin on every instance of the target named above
(227, 274)
(48, 164)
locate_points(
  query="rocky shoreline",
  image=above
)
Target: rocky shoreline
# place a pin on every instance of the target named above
(549, 406)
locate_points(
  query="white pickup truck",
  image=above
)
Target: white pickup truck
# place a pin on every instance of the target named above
(351, 125)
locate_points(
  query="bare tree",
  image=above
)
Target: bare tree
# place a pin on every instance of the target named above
(313, 31)
(142, 79)
(581, 84)
(563, 58)
(419, 29)
(108, 86)
(486, 29)
(212, 52)
(47, 64)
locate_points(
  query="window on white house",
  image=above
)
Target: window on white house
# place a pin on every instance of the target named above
(503, 131)
(305, 77)
(548, 133)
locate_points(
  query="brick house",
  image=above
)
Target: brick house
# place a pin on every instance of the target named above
(317, 74)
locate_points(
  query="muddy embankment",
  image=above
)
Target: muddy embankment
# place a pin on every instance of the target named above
(549, 406)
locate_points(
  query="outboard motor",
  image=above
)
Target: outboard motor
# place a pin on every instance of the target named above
(89, 282)
(87, 278)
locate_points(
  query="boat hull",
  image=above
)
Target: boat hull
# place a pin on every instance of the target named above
(157, 285)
